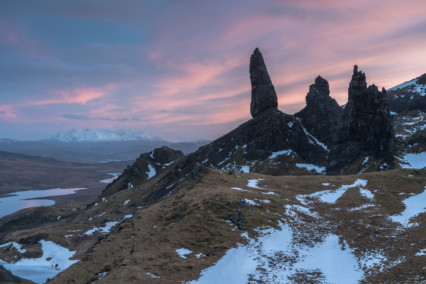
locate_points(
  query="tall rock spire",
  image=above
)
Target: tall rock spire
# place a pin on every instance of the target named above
(263, 96)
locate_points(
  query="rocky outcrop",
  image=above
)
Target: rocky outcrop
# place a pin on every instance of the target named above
(263, 96)
(144, 168)
(366, 126)
(322, 113)
(257, 139)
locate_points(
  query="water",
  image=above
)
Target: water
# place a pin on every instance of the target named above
(24, 199)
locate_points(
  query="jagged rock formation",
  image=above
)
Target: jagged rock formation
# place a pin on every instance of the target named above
(408, 96)
(366, 126)
(144, 168)
(252, 143)
(322, 113)
(263, 96)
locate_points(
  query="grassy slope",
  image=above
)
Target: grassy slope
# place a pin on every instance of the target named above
(197, 218)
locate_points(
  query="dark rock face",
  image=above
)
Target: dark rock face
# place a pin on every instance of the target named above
(366, 126)
(263, 96)
(322, 114)
(257, 139)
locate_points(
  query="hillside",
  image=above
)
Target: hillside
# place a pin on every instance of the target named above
(358, 215)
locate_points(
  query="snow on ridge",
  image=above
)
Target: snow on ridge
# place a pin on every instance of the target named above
(403, 85)
(97, 135)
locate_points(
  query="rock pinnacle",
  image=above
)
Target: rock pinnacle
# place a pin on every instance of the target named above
(263, 96)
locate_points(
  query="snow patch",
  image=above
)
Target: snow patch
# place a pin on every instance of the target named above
(279, 153)
(253, 183)
(152, 275)
(126, 202)
(245, 169)
(414, 205)
(319, 143)
(421, 252)
(366, 193)
(104, 229)
(17, 246)
(54, 260)
(240, 189)
(414, 161)
(250, 202)
(331, 196)
(311, 167)
(183, 252)
(151, 173)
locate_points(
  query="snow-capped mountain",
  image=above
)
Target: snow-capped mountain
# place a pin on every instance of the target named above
(100, 135)
(417, 85)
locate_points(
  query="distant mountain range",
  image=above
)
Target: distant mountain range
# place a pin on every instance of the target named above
(97, 135)
(96, 145)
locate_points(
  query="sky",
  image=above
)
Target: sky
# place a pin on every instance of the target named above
(179, 69)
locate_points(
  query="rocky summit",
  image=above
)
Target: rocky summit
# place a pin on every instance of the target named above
(366, 128)
(322, 114)
(263, 96)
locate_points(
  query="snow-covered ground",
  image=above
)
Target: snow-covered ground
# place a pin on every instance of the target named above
(54, 260)
(414, 160)
(254, 261)
(414, 205)
(278, 256)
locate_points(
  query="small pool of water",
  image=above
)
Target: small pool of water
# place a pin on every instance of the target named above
(24, 199)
